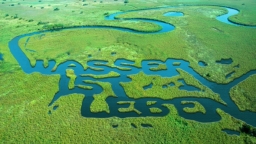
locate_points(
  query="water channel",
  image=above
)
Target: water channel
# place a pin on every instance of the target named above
(210, 105)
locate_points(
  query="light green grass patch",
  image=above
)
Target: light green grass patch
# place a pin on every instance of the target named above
(110, 74)
(151, 103)
(131, 107)
(159, 67)
(197, 107)
(155, 110)
(99, 103)
(71, 74)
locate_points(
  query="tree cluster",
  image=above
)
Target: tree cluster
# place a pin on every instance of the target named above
(248, 130)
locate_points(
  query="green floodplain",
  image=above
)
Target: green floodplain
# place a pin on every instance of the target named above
(198, 36)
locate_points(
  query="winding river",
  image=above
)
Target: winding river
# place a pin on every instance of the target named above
(210, 105)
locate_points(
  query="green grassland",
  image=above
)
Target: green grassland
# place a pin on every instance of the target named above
(131, 107)
(134, 89)
(25, 118)
(99, 103)
(246, 8)
(155, 110)
(204, 42)
(197, 107)
(243, 94)
(70, 74)
(159, 67)
(198, 36)
(110, 74)
(189, 41)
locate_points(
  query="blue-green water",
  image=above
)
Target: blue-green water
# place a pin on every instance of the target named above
(1, 57)
(173, 14)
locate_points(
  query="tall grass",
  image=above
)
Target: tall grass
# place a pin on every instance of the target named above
(243, 94)
(134, 89)
(24, 98)
(197, 107)
(24, 115)
(72, 78)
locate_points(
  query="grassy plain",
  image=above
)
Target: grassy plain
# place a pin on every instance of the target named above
(24, 118)
(243, 94)
(134, 89)
(24, 98)
(204, 42)
(189, 41)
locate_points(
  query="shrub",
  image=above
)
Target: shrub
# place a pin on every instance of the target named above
(254, 132)
(126, 1)
(245, 129)
(52, 27)
(41, 23)
(16, 16)
(56, 9)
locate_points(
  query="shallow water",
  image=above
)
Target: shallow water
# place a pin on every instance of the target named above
(231, 132)
(202, 63)
(1, 57)
(174, 14)
(140, 104)
(225, 61)
(224, 18)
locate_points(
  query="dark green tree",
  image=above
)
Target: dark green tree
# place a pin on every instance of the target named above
(245, 129)
(56, 9)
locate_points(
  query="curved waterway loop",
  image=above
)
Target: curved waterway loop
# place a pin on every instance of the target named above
(210, 105)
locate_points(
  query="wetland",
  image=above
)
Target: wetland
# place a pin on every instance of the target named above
(130, 78)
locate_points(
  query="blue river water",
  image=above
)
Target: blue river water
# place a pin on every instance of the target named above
(209, 104)
(1, 57)
(173, 14)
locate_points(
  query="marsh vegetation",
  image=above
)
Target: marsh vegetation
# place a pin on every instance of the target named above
(24, 105)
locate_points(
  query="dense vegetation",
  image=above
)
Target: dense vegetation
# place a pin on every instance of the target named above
(134, 89)
(25, 116)
(243, 94)
(197, 107)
